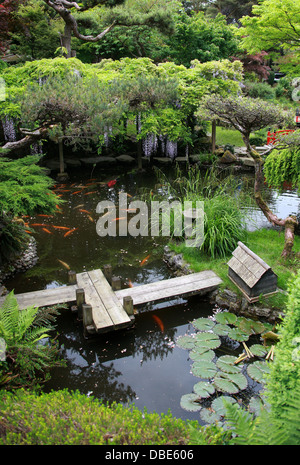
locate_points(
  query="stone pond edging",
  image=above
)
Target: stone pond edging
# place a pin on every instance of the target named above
(224, 298)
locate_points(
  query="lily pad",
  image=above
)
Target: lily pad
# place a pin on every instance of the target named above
(257, 371)
(204, 369)
(217, 409)
(237, 335)
(231, 383)
(202, 355)
(190, 402)
(226, 318)
(208, 340)
(204, 389)
(221, 329)
(186, 342)
(258, 350)
(226, 364)
(203, 324)
(250, 326)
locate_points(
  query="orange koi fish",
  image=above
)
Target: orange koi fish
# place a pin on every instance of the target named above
(64, 264)
(58, 208)
(88, 193)
(76, 192)
(70, 232)
(47, 231)
(121, 218)
(144, 260)
(28, 232)
(158, 322)
(46, 216)
(84, 211)
(61, 227)
(38, 224)
(130, 283)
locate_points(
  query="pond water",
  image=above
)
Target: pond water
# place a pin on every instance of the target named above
(140, 365)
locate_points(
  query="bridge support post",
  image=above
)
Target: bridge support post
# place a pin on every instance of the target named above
(107, 271)
(128, 305)
(116, 283)
(80, 300)
(72, 277)
(88, 322)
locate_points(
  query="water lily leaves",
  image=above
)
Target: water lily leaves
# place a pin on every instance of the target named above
(258, 370)
(258, 350)
(198, 355)
(221, 329)
(249, 326)
(190, 402)
(226, 364)
(208, 340)
(217, 409)
(204, 369)
(237, 335)
(231, 383)
(204, 389)
(203, 324)
(226, 318)
(186, 342)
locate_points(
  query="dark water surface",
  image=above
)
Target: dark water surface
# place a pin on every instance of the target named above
(140, 365)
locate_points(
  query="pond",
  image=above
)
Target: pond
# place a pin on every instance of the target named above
(141, 365)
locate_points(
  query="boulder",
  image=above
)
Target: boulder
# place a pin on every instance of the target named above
(125, 159)
(247, 161)
(228, 157)
(97, 160)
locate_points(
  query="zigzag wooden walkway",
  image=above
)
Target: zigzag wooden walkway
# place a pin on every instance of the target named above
(104, 309)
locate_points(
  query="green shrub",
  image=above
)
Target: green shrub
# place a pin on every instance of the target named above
(71, 418)
(260, 90)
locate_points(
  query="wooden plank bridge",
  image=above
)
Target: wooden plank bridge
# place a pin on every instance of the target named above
(104, 306)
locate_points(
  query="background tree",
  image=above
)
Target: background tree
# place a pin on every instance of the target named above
(233, 10)
(248, 115)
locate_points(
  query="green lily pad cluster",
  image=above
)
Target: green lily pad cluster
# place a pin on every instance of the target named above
(222, 376)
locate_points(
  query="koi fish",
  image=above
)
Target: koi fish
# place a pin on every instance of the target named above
(144, 260)
(88, 193)
(28, 232)
(70, 232)
(130, 283)
(111, 183)
(38, 224)
(58, 208)
(46, 216)
(76, 192)
(121, 218)
(64, 264)
(79, 206)
(158, 322)
(61, 227)
(47, 231)
(91, 219)
(84, 211)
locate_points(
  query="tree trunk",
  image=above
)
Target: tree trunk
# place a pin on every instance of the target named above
(66, 40)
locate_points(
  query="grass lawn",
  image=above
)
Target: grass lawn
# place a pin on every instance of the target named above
(267, 244)
(226, 136)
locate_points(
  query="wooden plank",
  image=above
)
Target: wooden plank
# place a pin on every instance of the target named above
(46, 297)
(100, 315)
(109, 299)
(173, 287)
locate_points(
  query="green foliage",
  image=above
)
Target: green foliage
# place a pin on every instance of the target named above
(24, 188)
(283, 166)
(71, 418)
(27, 360)
(260, 90)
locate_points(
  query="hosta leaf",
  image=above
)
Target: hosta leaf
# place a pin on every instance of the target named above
(203, 389)
(186, 342)
(225, 318)
(203, 324)
(258, 350)
(257, 371)
(204, 369)
(208, 340)
(202, 355)
(237, 335)
(226, 364)
(221, 329)
(189, 402)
